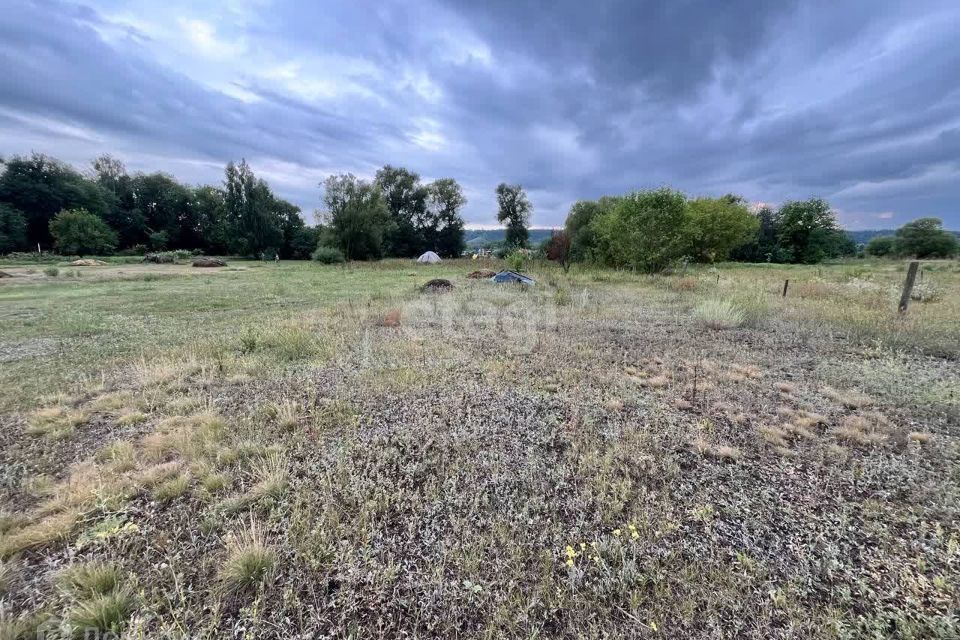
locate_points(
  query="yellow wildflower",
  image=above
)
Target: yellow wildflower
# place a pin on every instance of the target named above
(570, 552)
(634, 535)
(616, 532)
(570, 562)
(582, 546)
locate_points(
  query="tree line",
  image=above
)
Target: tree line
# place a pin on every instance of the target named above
(652, 230)
(47, 203)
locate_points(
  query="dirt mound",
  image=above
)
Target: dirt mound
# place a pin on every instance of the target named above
(209, 262)
(4, 274)
(437, 285)
(87, 262)
(481, 274)
(158, 258)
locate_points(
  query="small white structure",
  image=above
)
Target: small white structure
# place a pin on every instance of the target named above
(429, 258)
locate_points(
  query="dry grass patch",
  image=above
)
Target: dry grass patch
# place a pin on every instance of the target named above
(719, 314)
(172, 488)
(859, 430)
(774, 435)
(786, 388)
(54, 422)
(191, 438)
(52, 529)
(286, 414)
(119, 455)
(851, 398)
(704, 448)
(131, 419)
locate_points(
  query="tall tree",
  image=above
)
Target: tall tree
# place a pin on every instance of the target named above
(716, 226)
(406, 200)
(514, 210)
(13, 229)
(645, 230)
(925, 238)
(808, 232)
(40, 187)
(558, 248)
(445, 200)
(358, 218)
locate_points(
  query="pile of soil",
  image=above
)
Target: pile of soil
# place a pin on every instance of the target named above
(158, 258)
(437, 285)
(87, 262)
(208, 262)
(481, 274)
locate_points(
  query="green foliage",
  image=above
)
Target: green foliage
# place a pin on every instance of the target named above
(581, 230)
(516, 260)
(645, 230)
(357, 216)
(807, 231)
(717, 226)
(328, 255)
(881, 246)
(925, 238)
(13, 229)
(52, 272)
(40, 187)
(303, 243)
(514, 209)
(79, 232)
(445, 199)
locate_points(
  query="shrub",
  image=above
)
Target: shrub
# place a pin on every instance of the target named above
(719, 314)
(53, 272)
(81, 232)
(516, 260)
(328, 255)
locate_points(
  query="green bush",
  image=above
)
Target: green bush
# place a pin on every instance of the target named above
(516, 260)
(328, 255)
(53, 272)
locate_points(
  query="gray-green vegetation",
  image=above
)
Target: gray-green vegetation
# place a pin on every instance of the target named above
(295, 448)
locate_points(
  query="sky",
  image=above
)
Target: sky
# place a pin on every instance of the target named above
(856, 101)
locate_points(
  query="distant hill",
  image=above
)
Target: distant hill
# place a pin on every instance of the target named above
(478, 238)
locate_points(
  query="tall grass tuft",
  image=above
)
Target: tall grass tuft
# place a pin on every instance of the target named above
(719, 314)
(249, 560)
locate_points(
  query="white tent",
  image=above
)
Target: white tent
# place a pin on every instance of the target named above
(429, 258)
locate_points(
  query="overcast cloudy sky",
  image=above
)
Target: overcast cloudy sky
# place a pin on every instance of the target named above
(855, 101)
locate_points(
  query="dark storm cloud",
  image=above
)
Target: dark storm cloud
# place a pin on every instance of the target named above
(853, 101)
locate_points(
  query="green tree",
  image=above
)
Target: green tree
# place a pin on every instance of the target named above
(79, 232)
(406, 200)
(514, 209)
(13, 229)
(445, 199)
(717, 226)
(581, 229)
(808, 232)
(645, 230)
(925, 238)
(40, 186)
(358, 218)
(304, 242)
(254, 216)
(123, 214)
(881, 246)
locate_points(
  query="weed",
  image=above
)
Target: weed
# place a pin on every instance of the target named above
(172, 488)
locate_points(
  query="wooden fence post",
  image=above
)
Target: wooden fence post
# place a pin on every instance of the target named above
(908, 286)
(786, 283)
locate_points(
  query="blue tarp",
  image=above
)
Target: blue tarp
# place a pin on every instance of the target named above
(512, 276)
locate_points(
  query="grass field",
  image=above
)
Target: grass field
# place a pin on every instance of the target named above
(289, 449)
